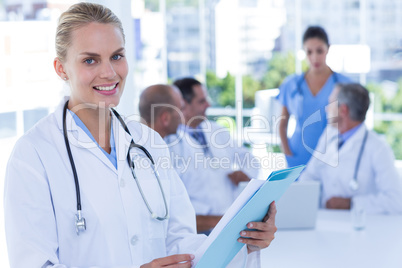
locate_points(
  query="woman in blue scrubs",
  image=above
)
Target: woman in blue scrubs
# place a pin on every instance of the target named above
(305, 96)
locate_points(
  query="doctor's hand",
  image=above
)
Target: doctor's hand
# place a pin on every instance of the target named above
(262, 233)
(238, 176)
(287, 151)
(338, 203)
(173, 261)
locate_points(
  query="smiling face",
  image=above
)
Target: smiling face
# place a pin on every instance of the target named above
(95, 65)
(316, 51)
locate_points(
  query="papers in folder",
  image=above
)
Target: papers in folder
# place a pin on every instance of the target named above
(252, 205)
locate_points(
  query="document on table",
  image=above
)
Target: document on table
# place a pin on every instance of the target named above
(252, 205)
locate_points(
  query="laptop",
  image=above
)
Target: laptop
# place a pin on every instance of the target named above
(298, 207)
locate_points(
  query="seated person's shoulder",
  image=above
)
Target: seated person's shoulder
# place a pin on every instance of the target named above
(209, 125)
(292, 79)
(144, 135)
(138, 128)
(41, 134)
(343, 78)
(378, 141)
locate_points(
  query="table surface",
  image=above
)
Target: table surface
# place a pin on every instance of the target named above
(334, 243)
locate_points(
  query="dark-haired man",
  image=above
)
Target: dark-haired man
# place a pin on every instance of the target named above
(219, 163)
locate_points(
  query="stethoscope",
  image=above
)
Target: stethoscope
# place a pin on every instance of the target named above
(353, 184)
(80, 223)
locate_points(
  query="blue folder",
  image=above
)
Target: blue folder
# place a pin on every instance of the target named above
(225, 246)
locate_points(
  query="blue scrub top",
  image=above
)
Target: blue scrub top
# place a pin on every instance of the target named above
(309, 111)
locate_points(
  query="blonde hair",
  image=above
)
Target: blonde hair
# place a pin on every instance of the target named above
(77, 16)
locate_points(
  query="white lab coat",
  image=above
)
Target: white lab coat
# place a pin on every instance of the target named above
(206, 176)
(40, 201)
(379, 183)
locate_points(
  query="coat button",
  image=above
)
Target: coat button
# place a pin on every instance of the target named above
(122, 183)
(134, 240)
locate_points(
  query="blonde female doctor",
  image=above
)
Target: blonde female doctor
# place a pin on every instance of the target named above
(80, 188)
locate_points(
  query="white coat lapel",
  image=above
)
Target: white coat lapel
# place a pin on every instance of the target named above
(85, 142)
(78, 138)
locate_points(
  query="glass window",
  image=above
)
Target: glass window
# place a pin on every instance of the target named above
(31, 117)
(8, 125)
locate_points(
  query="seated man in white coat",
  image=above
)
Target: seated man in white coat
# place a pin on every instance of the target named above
(354, 165)
(213, 163)
(160, 109)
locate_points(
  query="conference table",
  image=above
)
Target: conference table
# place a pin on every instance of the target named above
(335, 243)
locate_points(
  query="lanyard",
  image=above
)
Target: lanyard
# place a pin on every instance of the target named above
(353, 183)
